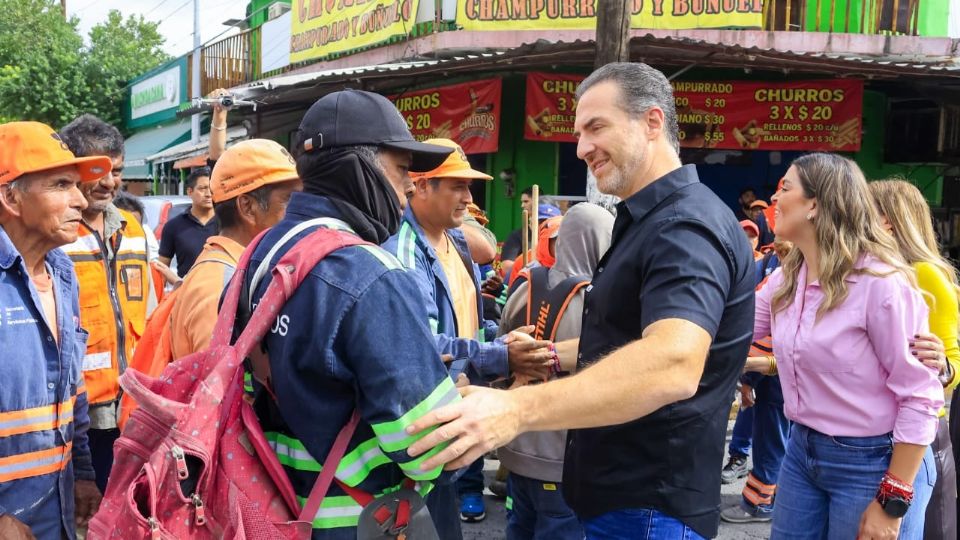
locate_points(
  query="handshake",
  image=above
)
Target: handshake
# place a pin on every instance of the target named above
(529, 358)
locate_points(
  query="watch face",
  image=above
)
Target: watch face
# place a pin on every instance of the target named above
(896, 507)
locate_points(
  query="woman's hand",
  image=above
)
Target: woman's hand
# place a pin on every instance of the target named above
(877, 524)
(930, 351)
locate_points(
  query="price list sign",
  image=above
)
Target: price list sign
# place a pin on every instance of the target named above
(821, 116)
(551, 107)
(467, 113)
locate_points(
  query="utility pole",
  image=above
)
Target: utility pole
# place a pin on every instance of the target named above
(195, 78)
(63, 8)
(613, 32)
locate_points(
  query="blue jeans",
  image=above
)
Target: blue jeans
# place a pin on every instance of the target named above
(742, 433)
(639, 524)
(536, 511)
(472, 480)
(770, 431)
(444, 510)
(827, 482)
(101, 451)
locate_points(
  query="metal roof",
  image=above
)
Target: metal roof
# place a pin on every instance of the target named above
(661, 51)
(189, 149)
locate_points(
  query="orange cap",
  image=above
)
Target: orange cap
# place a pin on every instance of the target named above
(28, 147)
(249, 165)
(455, 166)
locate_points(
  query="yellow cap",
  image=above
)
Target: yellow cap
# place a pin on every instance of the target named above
(249, 165)
(455, 166)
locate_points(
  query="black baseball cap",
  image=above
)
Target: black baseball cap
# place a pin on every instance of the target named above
(351, 117)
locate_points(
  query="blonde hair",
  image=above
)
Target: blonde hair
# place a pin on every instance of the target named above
(847, 227)
(912, 225)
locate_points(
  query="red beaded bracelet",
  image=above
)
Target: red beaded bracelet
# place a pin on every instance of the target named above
(555, 360)
(890, 485)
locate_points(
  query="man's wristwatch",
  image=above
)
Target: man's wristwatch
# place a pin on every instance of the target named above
(894, 496)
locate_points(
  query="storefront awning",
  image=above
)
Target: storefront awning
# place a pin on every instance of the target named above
(190, 150)
(150, 141)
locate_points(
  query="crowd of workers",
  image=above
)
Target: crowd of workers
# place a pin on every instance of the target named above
(602, 361)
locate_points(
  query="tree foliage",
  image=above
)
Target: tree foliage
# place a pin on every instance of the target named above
(48, 74)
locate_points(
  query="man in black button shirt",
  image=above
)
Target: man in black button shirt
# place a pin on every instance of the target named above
(185, 235)
(667, 324)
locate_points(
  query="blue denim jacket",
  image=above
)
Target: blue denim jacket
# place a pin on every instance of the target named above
(43, 405)
(352, 336)
(486, 355)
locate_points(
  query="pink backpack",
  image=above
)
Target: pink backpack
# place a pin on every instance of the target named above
(193, 461)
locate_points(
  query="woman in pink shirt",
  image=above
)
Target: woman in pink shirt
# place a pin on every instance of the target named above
(842, 309)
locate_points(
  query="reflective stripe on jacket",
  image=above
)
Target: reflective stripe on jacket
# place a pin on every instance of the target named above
(114, 286)
(43, 405)
(487, 357)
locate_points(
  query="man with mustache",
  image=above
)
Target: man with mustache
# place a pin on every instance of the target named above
(47, 483)
(667, 323)
(112, 265)
(431, 245)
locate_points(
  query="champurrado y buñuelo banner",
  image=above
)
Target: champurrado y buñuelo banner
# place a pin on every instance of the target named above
(582, 14)
(320, 28)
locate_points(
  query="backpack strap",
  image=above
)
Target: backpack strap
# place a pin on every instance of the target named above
(289, 272)
(328, 222)
(322, 486)
(546, 306)
(223, 330)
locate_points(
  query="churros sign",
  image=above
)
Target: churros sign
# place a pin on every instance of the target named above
(468, 113)
(809, 115)
(320, 28)
(551, 107)
(582, 14)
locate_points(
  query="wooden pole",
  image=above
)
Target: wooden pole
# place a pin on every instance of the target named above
(534, 221)
(63, 8)
(613, 32)
(847, 27)
(524, 242)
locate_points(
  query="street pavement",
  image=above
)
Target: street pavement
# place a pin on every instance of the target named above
(494, 526)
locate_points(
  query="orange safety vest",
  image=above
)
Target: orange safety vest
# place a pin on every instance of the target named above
(113, 302)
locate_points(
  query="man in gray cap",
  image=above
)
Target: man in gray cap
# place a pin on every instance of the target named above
(352, 336)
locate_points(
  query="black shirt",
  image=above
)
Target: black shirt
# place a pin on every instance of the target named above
(677, 253)
(184, 236)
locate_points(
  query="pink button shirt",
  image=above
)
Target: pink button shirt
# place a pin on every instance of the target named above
(851, 373)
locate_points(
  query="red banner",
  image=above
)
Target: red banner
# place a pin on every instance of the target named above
(468, 113)
(810, 115)
(551, 107)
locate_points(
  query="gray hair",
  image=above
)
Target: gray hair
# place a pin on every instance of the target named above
(88, 135)
(641, 88)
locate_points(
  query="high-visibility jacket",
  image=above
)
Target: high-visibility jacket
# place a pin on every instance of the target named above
(114, 286)
(43, 407)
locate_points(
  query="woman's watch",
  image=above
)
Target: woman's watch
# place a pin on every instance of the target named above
(894, 496)
(893, 505)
